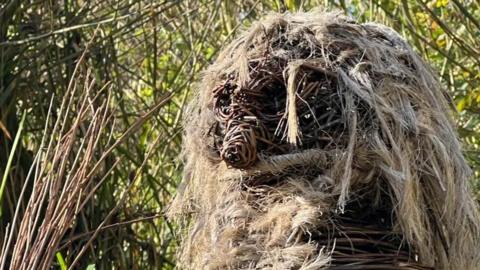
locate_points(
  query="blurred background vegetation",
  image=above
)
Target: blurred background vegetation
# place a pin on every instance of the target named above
(151, 51)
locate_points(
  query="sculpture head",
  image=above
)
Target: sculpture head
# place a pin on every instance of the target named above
(309, 124)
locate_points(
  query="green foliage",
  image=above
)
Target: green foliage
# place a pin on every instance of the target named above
(146, 49)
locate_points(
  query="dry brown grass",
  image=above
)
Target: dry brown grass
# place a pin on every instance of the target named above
(381, 182)
(66, 173)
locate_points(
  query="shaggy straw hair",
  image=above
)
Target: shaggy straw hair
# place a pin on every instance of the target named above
(315, 142)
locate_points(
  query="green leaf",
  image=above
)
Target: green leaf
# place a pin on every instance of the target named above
(441, 3)
(461, 104)
(10, 157)
(61, 261)
(292, 5)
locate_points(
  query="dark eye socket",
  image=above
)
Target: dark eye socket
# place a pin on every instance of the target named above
(261, 104)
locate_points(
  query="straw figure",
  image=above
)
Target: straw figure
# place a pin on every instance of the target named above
(315, 142)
